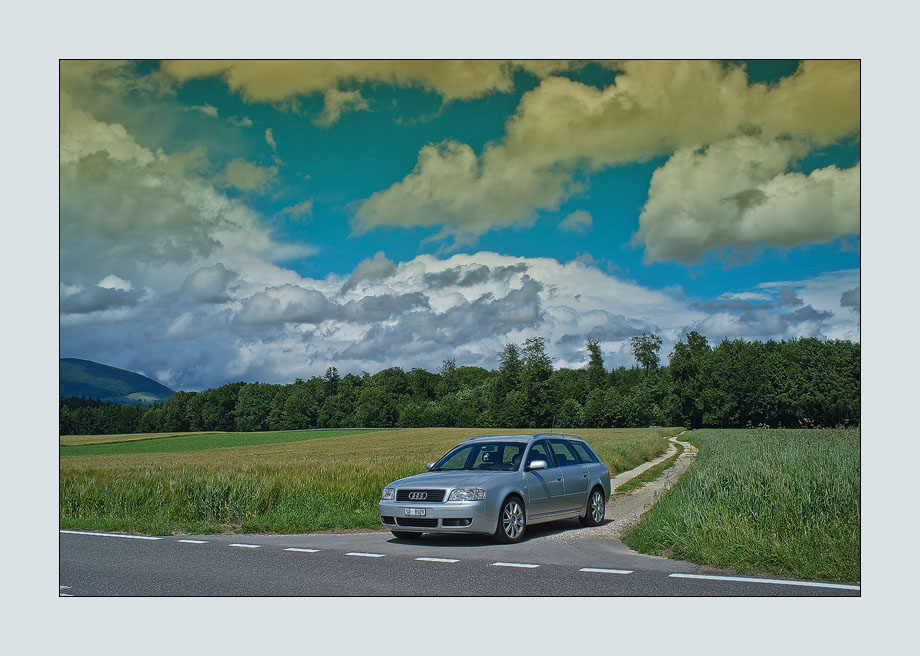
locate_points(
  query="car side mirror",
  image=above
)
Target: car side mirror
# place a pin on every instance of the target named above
(429, 465)
(536, 464)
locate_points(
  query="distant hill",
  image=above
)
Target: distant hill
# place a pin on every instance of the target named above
(100, 381)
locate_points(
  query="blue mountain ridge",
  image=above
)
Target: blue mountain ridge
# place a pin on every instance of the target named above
(84, 378)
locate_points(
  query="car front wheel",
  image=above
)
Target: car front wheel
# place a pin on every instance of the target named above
(511, 521)
(594, 513)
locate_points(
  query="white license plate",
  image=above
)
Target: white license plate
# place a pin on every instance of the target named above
(414, 512)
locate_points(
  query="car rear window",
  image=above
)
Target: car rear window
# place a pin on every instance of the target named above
(583, 453)
(563, 452)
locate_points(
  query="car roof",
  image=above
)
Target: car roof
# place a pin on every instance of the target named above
(523, 438)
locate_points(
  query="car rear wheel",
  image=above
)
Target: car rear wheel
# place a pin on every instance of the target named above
(594, 513)
(406, 535)
(511, 521)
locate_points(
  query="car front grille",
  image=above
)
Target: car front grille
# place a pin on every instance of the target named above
(417, 522)
(387, 519)
(431, 496)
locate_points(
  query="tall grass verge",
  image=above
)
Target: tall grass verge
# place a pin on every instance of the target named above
(288, 487)
(780, 501)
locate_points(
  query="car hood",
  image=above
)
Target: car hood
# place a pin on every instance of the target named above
(448, 479)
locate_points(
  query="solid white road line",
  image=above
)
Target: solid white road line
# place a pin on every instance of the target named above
(298, 549)
(440, 560)
(526, 565)
(364, 555)
(741, 579)
(113, 535)
(65, 587)
(193, 541)
(605, 571)
(245, 546)
(64, 594)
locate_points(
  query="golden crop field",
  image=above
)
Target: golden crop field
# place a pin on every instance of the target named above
(317, 484)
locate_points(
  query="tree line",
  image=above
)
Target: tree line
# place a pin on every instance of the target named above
(737, 383)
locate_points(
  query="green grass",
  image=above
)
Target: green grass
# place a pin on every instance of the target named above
(784, 502)
(176, 443)
(650, 474)
(282, 487)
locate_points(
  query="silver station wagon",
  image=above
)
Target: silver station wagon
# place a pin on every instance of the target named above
(498, 485)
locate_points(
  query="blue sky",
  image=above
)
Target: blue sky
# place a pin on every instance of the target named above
(264, 220)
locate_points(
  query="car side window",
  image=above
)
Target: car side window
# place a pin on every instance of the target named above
(564, 454)
(583, 454)
(511, 456)
(539, 451)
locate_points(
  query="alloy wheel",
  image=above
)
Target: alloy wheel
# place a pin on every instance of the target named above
(597, 507)
(512, 519)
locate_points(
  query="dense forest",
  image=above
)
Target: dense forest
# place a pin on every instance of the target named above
(795, 383)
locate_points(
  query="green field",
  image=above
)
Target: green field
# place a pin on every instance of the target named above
(785, 502)
(283, 486)
(202, 441)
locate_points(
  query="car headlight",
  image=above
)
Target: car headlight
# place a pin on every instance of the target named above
(389, 494)
(467, 494)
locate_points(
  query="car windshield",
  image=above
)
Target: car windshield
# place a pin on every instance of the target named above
(482, 456)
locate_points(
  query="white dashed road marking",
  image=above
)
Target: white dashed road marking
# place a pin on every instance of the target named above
(298, 549)
(525, 565)
(365, 555)
(439, 560)
(599, 570)
(193, 541)
(741, 579)
(113, 535)
(246, 546)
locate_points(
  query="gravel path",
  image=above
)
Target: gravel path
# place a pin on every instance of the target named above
(624, 512)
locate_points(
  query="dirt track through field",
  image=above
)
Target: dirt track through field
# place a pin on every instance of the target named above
(624, 512)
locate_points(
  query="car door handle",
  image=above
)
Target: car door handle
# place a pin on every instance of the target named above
(559, 479)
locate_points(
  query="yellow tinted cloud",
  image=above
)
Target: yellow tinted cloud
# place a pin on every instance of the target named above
(268, 81)
(562, 126)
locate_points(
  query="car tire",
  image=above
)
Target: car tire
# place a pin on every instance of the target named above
(512, 521)
(406, 535)
(595, 508)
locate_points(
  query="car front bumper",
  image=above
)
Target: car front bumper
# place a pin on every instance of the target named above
(446, 517)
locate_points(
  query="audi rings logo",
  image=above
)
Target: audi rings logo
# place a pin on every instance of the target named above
(418, 496)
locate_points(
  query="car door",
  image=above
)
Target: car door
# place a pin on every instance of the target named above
(545, 487)
(574, 474)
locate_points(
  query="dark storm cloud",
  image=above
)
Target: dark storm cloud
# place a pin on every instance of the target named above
(285, 304)
(808, 313)
(769, 322)
(378, 308)
(788, 298)
(425, 331)
(616, 329)
(209, 284)
(850, 298)
(375, 268)
(470, 275)
(95, 299)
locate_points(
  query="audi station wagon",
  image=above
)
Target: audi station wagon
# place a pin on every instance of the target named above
(498, 485)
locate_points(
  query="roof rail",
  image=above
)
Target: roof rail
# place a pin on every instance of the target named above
(578, 437)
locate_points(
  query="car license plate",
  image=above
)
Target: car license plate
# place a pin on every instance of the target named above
(415, 512)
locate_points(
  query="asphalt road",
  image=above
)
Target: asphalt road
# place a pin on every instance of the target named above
(377, 564)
